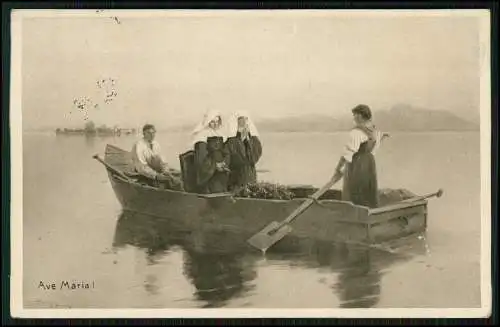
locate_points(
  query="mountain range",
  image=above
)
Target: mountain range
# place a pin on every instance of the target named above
(400, 117)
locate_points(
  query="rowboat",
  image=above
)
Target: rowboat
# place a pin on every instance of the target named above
(329, 219)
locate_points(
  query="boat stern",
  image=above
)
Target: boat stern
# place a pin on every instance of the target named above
(398, 220)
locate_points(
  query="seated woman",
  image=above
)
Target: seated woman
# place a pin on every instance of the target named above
(211, 158)
(245, 149)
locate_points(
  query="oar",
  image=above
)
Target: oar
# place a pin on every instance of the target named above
(398, 204)
(116, 171)
(275, 231)
(423, 197)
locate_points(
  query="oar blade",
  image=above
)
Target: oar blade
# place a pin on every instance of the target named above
(269, 235)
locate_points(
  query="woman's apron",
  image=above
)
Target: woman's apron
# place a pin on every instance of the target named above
(360, 175)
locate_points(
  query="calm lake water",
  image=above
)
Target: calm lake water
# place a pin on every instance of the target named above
(74, 230)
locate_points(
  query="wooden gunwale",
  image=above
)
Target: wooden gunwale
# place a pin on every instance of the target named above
(327, 218)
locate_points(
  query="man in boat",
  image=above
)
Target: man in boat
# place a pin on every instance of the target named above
(245, 148)
(149, 162)
(357, 164)
(211, 157)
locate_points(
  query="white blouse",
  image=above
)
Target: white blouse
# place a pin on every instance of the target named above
(356, 138)
(142, 156)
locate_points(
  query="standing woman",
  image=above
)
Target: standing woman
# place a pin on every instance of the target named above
(360, 171)
(245, 149)
(211, 158)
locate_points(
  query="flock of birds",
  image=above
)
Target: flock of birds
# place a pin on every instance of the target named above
(108, 86)
(83, 104)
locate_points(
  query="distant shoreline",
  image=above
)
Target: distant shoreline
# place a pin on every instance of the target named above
(261, 132)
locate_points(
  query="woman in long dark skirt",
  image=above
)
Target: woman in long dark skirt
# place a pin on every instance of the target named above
(211, 157)
(357, 164)
(245, 148)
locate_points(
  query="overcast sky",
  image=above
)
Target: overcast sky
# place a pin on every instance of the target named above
(169, 70)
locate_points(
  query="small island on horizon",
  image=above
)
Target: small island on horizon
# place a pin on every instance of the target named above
(90, 129)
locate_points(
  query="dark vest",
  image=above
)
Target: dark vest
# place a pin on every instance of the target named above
(367, 146)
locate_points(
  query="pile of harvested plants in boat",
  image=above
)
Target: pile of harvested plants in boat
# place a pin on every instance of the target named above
(265, 190)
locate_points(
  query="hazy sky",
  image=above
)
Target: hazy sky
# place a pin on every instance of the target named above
(170, 70)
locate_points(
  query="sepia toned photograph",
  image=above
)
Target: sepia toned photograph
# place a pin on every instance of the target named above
(250, 163)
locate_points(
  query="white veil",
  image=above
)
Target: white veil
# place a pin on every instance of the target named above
(202, 131)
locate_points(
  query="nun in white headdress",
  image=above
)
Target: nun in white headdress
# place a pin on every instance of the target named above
(211, 158)
(245, 150)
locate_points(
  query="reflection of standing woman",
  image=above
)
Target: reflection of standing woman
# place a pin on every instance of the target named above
(360, 173)
(358, 283)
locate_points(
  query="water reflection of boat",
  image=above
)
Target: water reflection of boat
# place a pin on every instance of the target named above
(219, 272)
(219, 277)
(223, 268)
(359, 269)
(358, 285)
(329, 219)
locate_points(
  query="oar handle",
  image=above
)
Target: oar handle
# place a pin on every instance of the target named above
(311, 200)
(438, 194)
(116, 171)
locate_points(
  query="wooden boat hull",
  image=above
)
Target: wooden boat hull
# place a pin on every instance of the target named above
(327, 220)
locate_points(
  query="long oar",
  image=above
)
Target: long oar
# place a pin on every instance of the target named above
(275, 231)
(423, 197)
(114, 170)
(395, 205)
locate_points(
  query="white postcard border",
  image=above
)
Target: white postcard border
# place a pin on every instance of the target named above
(16, 299)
